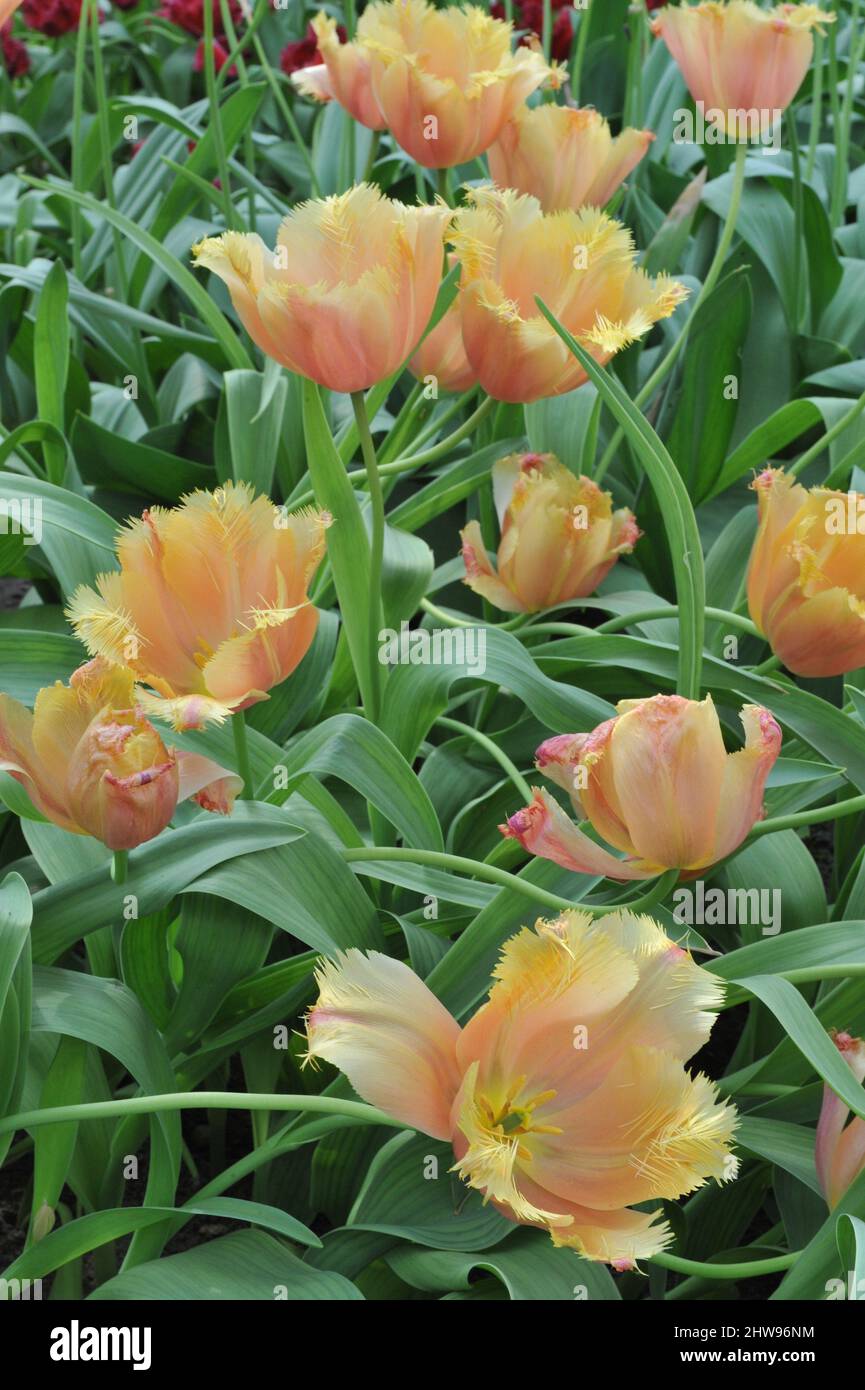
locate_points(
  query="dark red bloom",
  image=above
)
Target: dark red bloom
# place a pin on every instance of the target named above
(189, 15)
(51, 17)
(655, 4)
(529, 14)
(220, 56)
(303, 53)
(16, 59)
(124, 4)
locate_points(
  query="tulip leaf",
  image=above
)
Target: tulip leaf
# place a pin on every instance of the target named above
(75, 536)
(527, 1263)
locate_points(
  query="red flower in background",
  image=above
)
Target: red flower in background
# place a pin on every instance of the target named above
(189, 15)
(124, 4)
(303, 53)
(51, 17)
(655, 4)
(529, 14)
(220, 56)
(16, 59)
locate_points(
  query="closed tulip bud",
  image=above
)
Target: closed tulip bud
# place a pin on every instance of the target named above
(739, 60)
(347, 294)
(344, 76)
(560, 536)
(581, 264)
(554, 1133)
(92, 763)
(657, 784)
(840, 1147)
(806, 580)
(565, 158)
(446, 80)
(210, 608)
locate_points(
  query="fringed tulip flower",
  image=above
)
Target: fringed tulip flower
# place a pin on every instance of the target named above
(565, 1097)
(92, 764)
(565, 158)
(442, 356)
(840, 1147)
(210, 607)
(343, 75)
(560, 536)
(655, 783)
(806, 581)
(446, 80)
(743, 63)
(347, 294)
(581, 264)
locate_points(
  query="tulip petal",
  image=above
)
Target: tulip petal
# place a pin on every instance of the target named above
(381, 1025)
(543, 829)
(203, 780)
(744, 782)
(480, 575)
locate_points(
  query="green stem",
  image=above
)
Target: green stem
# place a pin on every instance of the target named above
(119, 865)
(105, 144)
(194, 1100)
(798, 218)
(826, 439)
(241, 753)
(772, 663)
(580, 53)
(747, 1269)
(816, 816)
(444, 185)
(494, 751)
(215, 116)
(816, 107)
(646, 615)
(664, 367)
(376, 495)
(287, 115)
(78, 142)
(547, 28)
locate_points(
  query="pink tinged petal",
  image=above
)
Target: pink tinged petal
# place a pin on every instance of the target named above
(744, 782)
(543, 829)
(480, 575)
(381, 1025)
(558, 758)
(203, 780)
(839, 1153)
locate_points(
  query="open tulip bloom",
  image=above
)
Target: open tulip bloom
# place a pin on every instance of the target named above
(210, 606)
(565, 1096)
(656, 783)
(560, 536)
(92, 763)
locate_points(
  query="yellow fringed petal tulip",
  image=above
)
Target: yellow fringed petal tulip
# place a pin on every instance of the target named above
(565, 158)
(348, 292)
(560, 536)
(446, 80)
(739, 60)
(656, 783)
(839, 1149)
(565, 1097)
(806, 580)
(210, 608)
(581, 264)
(344, 76)
(92, 764)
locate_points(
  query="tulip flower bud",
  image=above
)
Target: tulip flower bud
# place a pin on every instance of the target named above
(560, 536)
(344, 76)
(840, 1147)
(806, 580)
(122, 783)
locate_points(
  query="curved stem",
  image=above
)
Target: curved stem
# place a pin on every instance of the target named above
(826, 439)
(747, 1269)
(241, 753)
(195, 1100)
(376, 495)
(666, 365)
(814, 817)
(671, 610)
(772, 663)
(494, 751)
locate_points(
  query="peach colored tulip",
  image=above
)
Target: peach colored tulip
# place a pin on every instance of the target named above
(210, 607)
(840, 1152)
(90, 761)
(656, 783)
(7, 9)
(740, 60)
(565, 158)
(560, 536)
(344, 76)
(565, 1096)
(348, 292)
(806, 581)
(441, 354)
(447, 80)
(581, 264)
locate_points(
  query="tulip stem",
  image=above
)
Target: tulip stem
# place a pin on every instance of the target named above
(851, 807)
(241, 752)
(494, 751)
(826, 439)
(195, 1100)
(666, 365)
(376, 497)
(746, 1269)
(119, 865)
